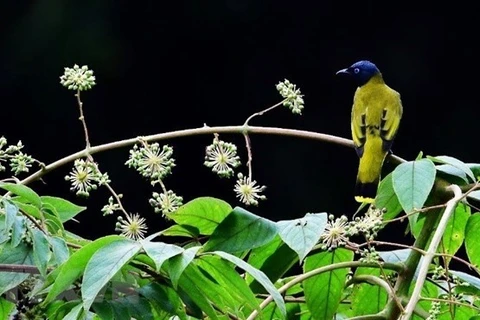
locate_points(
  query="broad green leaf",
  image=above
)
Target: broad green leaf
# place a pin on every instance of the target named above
(472, 245)
(20, 254)
(387, 198)
(454, 233)
(203, 213)
(73, 268)
(178, 263)
(412, 182)
(258, 275)
(226, 276)
(41, 250)
(181, 231)
(6, 308)
(475, 167)
(454, 162)
(272, 312)
(65, 209)
(104, 264)
(120, 311)
(4, 234)
(302, 234)
(10, 214)
(274, 259)
(24, 192)
(60, 249)
(474, 195)
(323, 292)
(159, 252)
(460, 312)
(241, 230)
(30, 209)
(429, 290)
(195, 300)
(58, 309)
(164, 298)
(138, 307)
(19, 228)
(453, 171)
(398, 256)
(103, 309)
(376, 296)
(74, 313)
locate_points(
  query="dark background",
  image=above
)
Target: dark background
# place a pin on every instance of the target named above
(163, 67)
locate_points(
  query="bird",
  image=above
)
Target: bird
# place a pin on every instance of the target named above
(375, 119)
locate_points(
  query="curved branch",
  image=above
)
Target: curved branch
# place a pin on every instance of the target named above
(193, 132)
(349, 264)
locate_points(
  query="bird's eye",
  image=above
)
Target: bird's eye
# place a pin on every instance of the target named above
(356, 70)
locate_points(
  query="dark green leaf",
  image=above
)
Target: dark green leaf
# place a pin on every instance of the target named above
(376, 296)
(179, 262)
(18, 230)
(258, 275)
(20, 254)
(274, 259)
(104, 264)
(302, 234)
(6, 308)
(65, 209)
(387, 198)
(73, 268)
(475, 167)
(472, 245)
(138, 307)
(24, 192)
(159, 252)
(164, 298)
(412, 182)
(454, 233)
(195, 299)
(203, 213)
(181, 231)
(454, 162)
(323, 292)
(41, 250)
(103, 309)
(241, 230)
(120, 311)
(60, 249)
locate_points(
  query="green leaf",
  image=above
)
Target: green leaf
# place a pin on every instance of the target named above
(274, 259)
(65, 209)
(387, 198)
(454, 233)
(24, 192)
(241, 230)
(29, 209)
(454, 162)
(19, 228)
(159, 252)
(181, 231)
(73, 268)
(226, 276)
(412, 182)
(258, 275)
(10, 214)
(452, 171)
(104, 264)
(398, 256)
(179, 262)
(376, 296)
(103, 309)
(474, 195)
(203, 213)
(6, 308)
(472, 245)
(475, 167)
(138, 307)
(195, 300)
(20, 254)
(323, 292)
(164, 298)
(41, 251)
(60, 249)
(302, 234)
(74, 313)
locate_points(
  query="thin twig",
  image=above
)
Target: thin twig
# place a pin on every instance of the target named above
(19, 268)
(260, 113)
(432, 249)
(451, 302)
(250, 157)
(82, 119)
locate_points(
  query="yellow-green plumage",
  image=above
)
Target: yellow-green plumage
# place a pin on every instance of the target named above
(376, 113)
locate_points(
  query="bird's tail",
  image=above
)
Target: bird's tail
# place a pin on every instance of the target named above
(369, 170)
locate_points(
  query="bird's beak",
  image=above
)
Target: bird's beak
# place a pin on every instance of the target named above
(345, 71)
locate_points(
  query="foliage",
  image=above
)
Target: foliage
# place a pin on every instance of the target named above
(216, 261)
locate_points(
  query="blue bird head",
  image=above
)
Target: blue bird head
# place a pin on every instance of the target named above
(361, 71)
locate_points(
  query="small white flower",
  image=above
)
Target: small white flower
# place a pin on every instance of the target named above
(78, 78)
(248, 191)
(165, 202)
(151, 161)
(335, 233)
(83, 177)
(133, 228)
(111, 207)
(222, 156)
(292, 95)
